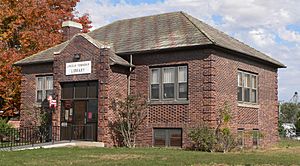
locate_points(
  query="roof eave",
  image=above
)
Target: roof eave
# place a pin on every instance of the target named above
(277, 65)
(32, 63)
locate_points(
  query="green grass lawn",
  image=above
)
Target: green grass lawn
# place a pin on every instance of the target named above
(286, 153)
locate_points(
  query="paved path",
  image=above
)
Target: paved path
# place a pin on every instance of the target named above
(54, 145)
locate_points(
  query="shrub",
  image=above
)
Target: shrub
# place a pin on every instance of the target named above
(6, 130)
(203, 138)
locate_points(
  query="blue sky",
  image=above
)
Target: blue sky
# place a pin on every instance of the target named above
(272, 27)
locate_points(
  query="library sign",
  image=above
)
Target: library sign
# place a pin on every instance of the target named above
(74, 68)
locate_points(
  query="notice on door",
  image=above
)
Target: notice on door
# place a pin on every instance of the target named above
(73, 68)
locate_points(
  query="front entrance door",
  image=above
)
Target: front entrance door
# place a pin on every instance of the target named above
(79, 114)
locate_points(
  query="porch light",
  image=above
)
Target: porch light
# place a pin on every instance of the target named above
(77, 56)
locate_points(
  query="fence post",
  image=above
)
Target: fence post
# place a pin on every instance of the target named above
(10, 133)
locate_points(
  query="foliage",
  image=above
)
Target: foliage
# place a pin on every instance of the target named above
(129, 115)
(6, 129)
(224, 137)
(39, 118)
(289, 111)
(219, 139)
(4, 125)
(281, 130)
(297, 124)
(203, 137)
(27, 27)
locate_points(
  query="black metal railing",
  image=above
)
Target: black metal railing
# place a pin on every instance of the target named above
(30, 136)
(23, 136)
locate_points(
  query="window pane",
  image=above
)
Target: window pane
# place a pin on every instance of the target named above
(39, 96)
(247, 80)
(183, 90)
(92, 114)
(253, 81)
(40, 83)
(67, 91)
(93, 90)
(247, 94)
(49, 83)
(159, 137)
(80, 90)
(154, 76)
(175, 137)
(182, 74)
(240, 139)
(168, 75)
(155, 91)
(240, 94)
(253, 96)
(240, 79)
(49, 93)
(255, 137)
(168, 91)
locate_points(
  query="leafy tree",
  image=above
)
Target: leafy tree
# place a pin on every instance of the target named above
(27, 27)
(289, 111)
(225, 139)
(297, 124)
(129, 115)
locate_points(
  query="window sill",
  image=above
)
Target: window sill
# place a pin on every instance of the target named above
(248, 105)
(176, 102)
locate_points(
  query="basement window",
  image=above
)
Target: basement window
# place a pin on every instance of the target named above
(247, 87)
(167, 137)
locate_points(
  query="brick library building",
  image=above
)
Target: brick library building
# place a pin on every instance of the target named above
(185, 68)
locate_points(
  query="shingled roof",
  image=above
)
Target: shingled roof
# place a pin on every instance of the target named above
(157, 32)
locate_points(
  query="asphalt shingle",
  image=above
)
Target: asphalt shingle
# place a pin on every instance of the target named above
(163, 31)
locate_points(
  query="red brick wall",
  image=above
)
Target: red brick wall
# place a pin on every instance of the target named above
(212, 80)
(112, 81)
(28, 90)
(171, 115)
(265, 117)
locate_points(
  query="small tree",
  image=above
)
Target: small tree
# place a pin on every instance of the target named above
(129, 115)
(225, 139)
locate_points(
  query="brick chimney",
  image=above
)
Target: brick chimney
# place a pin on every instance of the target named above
(70, 28)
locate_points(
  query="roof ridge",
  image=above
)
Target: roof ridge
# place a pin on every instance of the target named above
(200, 30)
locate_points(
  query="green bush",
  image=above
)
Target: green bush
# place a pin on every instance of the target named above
(4, 125)
(5, 129)
(203, 138)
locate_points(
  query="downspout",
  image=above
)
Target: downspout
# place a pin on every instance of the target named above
(128, 79)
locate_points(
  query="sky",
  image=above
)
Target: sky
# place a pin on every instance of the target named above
(270, 26)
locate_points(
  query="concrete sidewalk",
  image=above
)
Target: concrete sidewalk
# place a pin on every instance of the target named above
(55, 145)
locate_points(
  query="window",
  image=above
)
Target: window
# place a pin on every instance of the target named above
(44, 87)
(240, 137)
(167, 137)
(255, 137)
(80, 90)
(247, 87)
(169, 83)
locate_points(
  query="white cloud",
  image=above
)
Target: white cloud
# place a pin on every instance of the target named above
(260, 23)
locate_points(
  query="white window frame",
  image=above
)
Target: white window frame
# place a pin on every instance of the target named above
(43, 89)
(251, 87)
